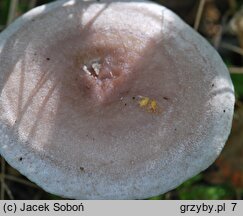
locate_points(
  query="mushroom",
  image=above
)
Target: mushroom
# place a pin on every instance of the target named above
(110, 99)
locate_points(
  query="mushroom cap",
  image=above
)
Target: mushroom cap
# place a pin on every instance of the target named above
(110, 100)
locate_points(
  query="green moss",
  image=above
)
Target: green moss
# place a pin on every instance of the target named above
(205, 192)
(238, 84)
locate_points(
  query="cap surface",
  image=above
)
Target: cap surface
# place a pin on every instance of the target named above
(110, 100)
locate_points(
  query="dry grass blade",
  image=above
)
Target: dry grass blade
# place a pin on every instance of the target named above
(12, 11)
(21, 181)
(236, 70)
(232, 48)
(199, 14)
(8, 191)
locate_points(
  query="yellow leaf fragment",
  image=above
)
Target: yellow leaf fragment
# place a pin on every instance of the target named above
(153, 105)
(144, 102)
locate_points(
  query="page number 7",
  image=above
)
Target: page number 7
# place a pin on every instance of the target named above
(234, 205)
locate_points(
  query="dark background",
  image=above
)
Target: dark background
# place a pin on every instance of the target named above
(221, 23)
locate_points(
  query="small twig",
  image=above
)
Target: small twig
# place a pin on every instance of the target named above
(236, 70)
(199, 14)
(2, 178)
(232, 48)
(218, 37)
(12, 11)
(18, 180)
(9, 192)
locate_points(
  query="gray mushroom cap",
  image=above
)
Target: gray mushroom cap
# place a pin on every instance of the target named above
(110, 100)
